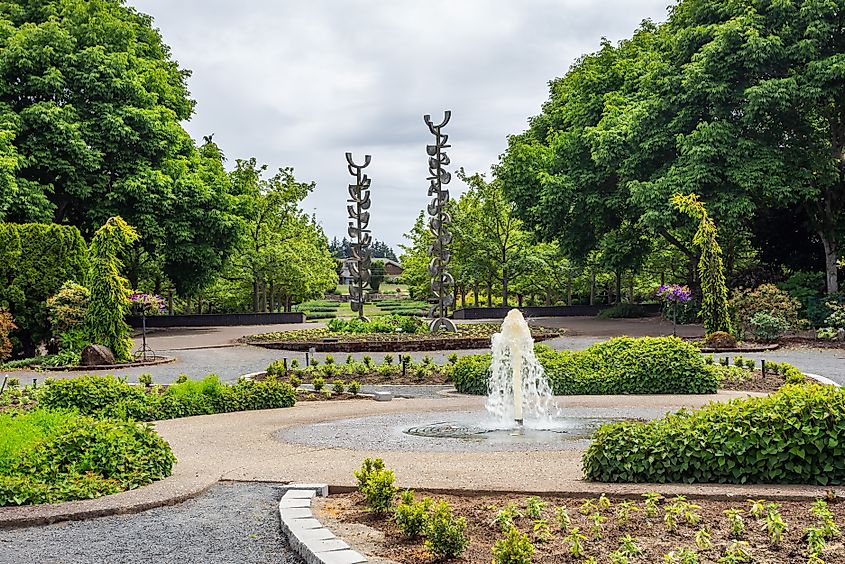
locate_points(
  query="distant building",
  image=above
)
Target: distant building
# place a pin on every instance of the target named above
(392, 270)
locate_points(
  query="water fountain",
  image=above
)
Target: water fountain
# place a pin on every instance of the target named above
(518, 385)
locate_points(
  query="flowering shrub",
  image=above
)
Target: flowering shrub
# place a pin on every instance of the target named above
(147, 304)
(674, 293)
(766, 298)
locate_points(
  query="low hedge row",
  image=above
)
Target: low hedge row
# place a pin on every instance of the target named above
(52, 456)
(107, 396)
(624, 365)
(794, 436)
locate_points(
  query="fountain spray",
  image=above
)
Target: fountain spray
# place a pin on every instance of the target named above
(518, 386)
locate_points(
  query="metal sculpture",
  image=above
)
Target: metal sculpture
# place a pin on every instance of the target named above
(441, 280)
(359, 218)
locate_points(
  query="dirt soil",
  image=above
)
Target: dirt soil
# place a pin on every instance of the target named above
(810, 343)
(757, 383)
(381, 538)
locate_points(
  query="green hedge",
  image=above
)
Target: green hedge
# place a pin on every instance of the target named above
(107, 396)
(52, 456)
(624, 365)
(794, 436)
(35, 260)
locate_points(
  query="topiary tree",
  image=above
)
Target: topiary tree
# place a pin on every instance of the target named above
(376, 275)
(714, 291)
(106, 317)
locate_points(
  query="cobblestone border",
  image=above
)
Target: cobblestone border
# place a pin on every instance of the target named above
(307, 536)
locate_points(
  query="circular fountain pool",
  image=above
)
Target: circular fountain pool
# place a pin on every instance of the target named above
(457, 431)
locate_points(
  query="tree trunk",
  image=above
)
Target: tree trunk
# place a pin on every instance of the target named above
(829, 243)
(618, 297)
(489, 291)
(255, 295)
(593, 287)
(272, 307)
(475, 293)
(463, 297)
(504, 287)
(631, 290)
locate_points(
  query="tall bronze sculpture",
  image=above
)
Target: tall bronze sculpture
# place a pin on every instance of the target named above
(441, 280)
(359, 218)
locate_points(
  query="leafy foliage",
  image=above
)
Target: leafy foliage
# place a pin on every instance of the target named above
(767, 327)
(445, 534)
(67, 309)
(7, 324)
(648, 365)
(411, 516)
(106, 315)
(46, 457)
(766, 298)
(793, 436)
(35, 261)
(513, 548)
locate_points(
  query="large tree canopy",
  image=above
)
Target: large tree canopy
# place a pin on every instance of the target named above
(741, 102)
(90, 108)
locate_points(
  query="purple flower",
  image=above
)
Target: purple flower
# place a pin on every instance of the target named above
(674, 293)
(147, 303)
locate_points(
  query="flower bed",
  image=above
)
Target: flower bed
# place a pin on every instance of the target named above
(473, 336)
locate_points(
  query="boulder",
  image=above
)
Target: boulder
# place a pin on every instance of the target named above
(94, 355)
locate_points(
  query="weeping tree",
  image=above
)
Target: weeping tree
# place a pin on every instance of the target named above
(109, 306)
(714, 291)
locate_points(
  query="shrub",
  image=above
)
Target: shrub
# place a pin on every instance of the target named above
(622, 311)
(768, 327)
(720, 340)
(514, 548)
(796, 435)
(354, 387)
(67, 309)
(338, 386)
(445, 533)
(648, 365)
(145, 379)
(766, 298)
(35, 261)
(276, 368)
(411, 516)
(46, 457)
(7, 324)
(368, 467)
(379, 491)
(318, 383)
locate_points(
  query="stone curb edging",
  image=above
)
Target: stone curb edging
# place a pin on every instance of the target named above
(307, 536)
(821, 379)
(159, 360)
(748, 349)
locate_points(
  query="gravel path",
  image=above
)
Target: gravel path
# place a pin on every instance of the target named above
(232, 522)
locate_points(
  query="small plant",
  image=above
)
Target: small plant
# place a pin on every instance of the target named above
(681, 556)
(182, 378)
(775, 525)
(514, 548)
(623, 511)
(349, 359)
(735, 522)
(650, 505)
(445, 533)
(452, 358)
(411, 516)
(604, 502)
(598, 520)
(314, 362)
(368, 361)
(534, 507)
(575, 539)
(504, 517)
(629, 547)
(294, 363)
(671, 517)
(146, 380)
(587, 507)
(329, 359)
(617, 557)
(829, 528)
(737, 553)
(758, 508)
(542, 532)
(338, 386)
(354, 387)
(327, 393)
(295, 381)
(388, 359)
(702, 539)
(563, 519)
(319, 383)
(739, 361)
(379, 491)
(368, 467)
(816, 541)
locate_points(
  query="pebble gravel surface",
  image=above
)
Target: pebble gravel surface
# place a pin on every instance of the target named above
(233, 522)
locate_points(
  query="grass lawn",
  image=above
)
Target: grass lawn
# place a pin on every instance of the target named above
(383, 289)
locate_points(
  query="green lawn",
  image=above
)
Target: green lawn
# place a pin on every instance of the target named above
(383, 289)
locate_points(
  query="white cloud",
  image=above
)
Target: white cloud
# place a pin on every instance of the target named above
(300, 82)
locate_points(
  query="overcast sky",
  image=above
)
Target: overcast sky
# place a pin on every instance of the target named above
(300, 82)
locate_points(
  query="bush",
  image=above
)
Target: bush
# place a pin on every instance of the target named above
(338, 386)
(411, 516)
(354, 387)
(7, 324)
(67, 309)
(379, 490)
(720, 340)
(47, 457)
(796, 435)
(318, 383)
(383, 324)
(368, 467)
(766, 327)
(35, 261)
(766, 298)
(620, 311)
(818, 309)
(514, 548)
(648, 365)
(445, 534)
(107, 396)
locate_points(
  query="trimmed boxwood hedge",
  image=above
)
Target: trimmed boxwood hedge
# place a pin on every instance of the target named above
(794, 436)
(624, 365)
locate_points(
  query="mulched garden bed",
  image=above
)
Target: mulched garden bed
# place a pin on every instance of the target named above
(755, 382)
(651, 534)
(810, 343)
(476, 336)
(309, 395)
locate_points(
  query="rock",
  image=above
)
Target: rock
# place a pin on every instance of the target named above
(94, 355)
